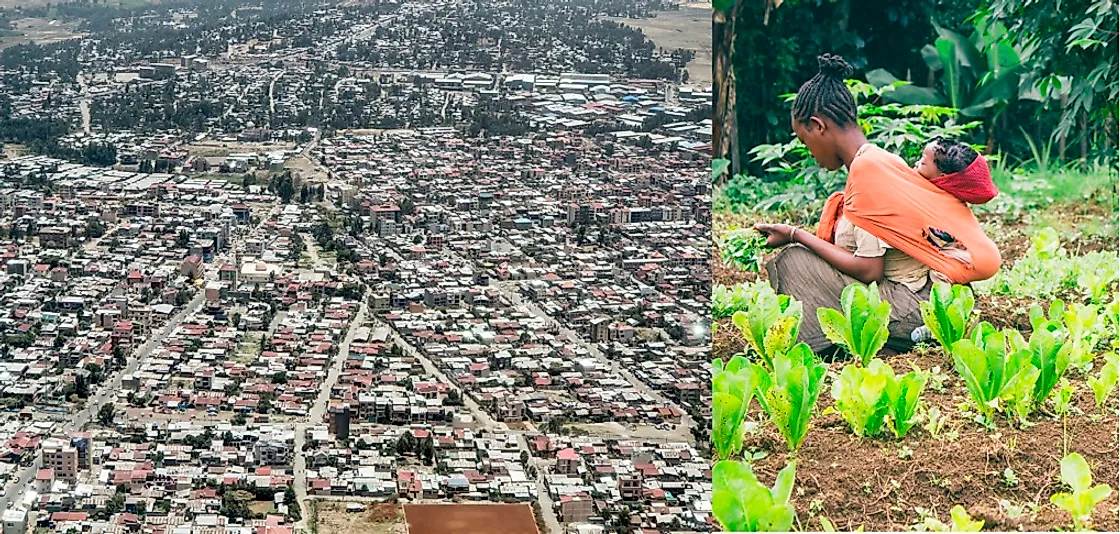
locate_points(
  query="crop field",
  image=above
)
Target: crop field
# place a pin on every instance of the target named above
(470, 519)
(977, 450)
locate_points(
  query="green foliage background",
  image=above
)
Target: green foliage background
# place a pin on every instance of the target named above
(1075, 43)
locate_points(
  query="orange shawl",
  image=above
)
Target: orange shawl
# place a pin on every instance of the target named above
(888, 199)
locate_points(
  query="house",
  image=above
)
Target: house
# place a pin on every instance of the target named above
(191, 266)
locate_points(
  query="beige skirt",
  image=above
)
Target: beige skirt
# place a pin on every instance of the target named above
(798, 272)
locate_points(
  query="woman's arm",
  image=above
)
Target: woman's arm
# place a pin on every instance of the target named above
(865, 270)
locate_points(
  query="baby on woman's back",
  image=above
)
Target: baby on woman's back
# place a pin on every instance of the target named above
(958, 169)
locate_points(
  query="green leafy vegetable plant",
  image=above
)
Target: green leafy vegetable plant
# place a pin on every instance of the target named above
(959, 522)
(1085, 496)
(1078, 323)
(790, 391)
(873, 397)
(726, 300)
(903, 393)
(733, 387)
(1095, 273)
(1048, 269)
(742, 504)
(948, 313)
(862, 327)
(861, 396)
(1111, 324)
(995, 370)
(1062, 397)
(1051, 356)
(1083, 322)
(1052, 315)
(1103, 384)
(770, 322)
(743, 249)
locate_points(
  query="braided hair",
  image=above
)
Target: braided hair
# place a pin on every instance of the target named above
(952, 156)
(826, 94)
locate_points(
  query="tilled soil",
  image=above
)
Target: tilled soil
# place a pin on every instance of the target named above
(724, 274)
(879, 484)
(727, 339)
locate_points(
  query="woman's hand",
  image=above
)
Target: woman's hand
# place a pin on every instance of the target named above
(776, 234)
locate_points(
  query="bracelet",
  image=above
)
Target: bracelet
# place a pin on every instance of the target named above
(793, 230)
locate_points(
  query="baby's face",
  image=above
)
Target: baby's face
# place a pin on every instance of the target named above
(926, 166)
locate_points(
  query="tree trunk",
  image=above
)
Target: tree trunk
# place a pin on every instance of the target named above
(723, 127)
(1084, 136)
(1062, 139)
(1108, 124)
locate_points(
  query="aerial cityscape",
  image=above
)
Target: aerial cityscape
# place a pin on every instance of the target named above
(317, 266)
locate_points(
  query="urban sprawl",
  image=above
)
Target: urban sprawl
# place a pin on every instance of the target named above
(269, 265)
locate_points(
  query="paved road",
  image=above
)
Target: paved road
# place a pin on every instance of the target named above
(545, 500)
(105, 393)
(272, 93)
(496, 427)
(509, 289)
(14, 491)
(83, 104)
(312, 247)
(93, 243)
(315, 417)
(479, 414)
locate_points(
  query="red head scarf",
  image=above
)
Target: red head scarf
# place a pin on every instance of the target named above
(973, 184)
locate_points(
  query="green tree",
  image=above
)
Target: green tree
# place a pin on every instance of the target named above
(294, 513)
(406, 444)
(980, 76)
(1075, 44)
(115, 504)
(106, 414)
(235, 504)
(94, 228)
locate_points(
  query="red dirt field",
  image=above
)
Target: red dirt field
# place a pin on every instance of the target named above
(470, 519)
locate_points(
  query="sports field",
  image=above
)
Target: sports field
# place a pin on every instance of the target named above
(470, 519)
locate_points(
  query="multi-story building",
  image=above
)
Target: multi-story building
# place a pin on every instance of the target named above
(62, 458)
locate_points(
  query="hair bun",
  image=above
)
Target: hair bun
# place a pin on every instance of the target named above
(834, 66)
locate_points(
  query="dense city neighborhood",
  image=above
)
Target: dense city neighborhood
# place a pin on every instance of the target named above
(270, 265)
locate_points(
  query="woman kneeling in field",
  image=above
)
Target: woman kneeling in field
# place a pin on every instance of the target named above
(889, 225)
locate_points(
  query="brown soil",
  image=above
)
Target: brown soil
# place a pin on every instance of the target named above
(727, 275)
(864, 482)
(470, 519)
(1006, 311)
(383, 513)
(727, 340)
(377, 518)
